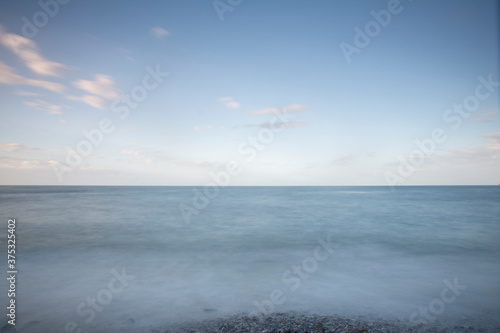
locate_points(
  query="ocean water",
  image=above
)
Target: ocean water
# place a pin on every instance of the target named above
(106, 259)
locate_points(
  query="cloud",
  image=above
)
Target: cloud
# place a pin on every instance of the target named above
(229, 102)
(493, 138)
(292, 108)
(200, 128)
(486, 118)
(133, 152)
(126, 53)
(103, 89)
(9, 76)
(267, 111)
(44, 106)
(26, 93)
(288, 124)
(159, 32)
(278, 124)
(296, 108)
(14, 162)
(16, 147)
(21, 163)
(479, 156)
(103, 86)
(141, 156)
(28, 52)
(15, 159)
(233, 105)
(343, 161)
(205, 164)
(95, 101)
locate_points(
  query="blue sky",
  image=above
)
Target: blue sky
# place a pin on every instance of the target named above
(343, 118)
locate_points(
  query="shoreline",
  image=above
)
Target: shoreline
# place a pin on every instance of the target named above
(296, 322)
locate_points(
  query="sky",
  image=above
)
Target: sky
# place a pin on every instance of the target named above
(241, 92)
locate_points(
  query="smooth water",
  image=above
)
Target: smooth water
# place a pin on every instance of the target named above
(249, 249)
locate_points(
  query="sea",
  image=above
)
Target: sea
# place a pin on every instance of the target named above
(135, 259)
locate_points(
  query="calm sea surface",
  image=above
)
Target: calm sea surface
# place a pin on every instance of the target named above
(119, 258)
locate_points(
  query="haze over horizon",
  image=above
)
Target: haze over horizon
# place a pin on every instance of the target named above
(282, 93)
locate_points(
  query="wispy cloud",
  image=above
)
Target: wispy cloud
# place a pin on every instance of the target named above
(40, 104)
(288, 124)
(292, 108)
(16, 147)
(494, 138)
(198, 163)
(103, 86)
(229, 102)
(26, 93)
(159, 32)
(479, 156)
(103, 89)
(126, 53)
(17, 162)
(487, 117)
(28, 53)
(201, 128)
(9, 76)
(342, 160)
(133, 152)
(140, 156)
(274, 125)
(22, 163)
(95, 101)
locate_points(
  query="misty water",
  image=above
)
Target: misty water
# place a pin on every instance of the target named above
(329, 250)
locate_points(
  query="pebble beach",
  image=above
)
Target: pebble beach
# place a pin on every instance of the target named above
(302, 323)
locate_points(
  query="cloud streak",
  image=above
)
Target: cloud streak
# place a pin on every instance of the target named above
(280, 124)
(102, 90)
(40, 104)
(9, 76)
(28, 53)
(159, 32)
(486, 118)
(16, 147)
(26, 93)
(103, 86)
(292, 108)
(479, 156)
(229, 102)
(201, 128)
(95, 101)
(345, 160)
